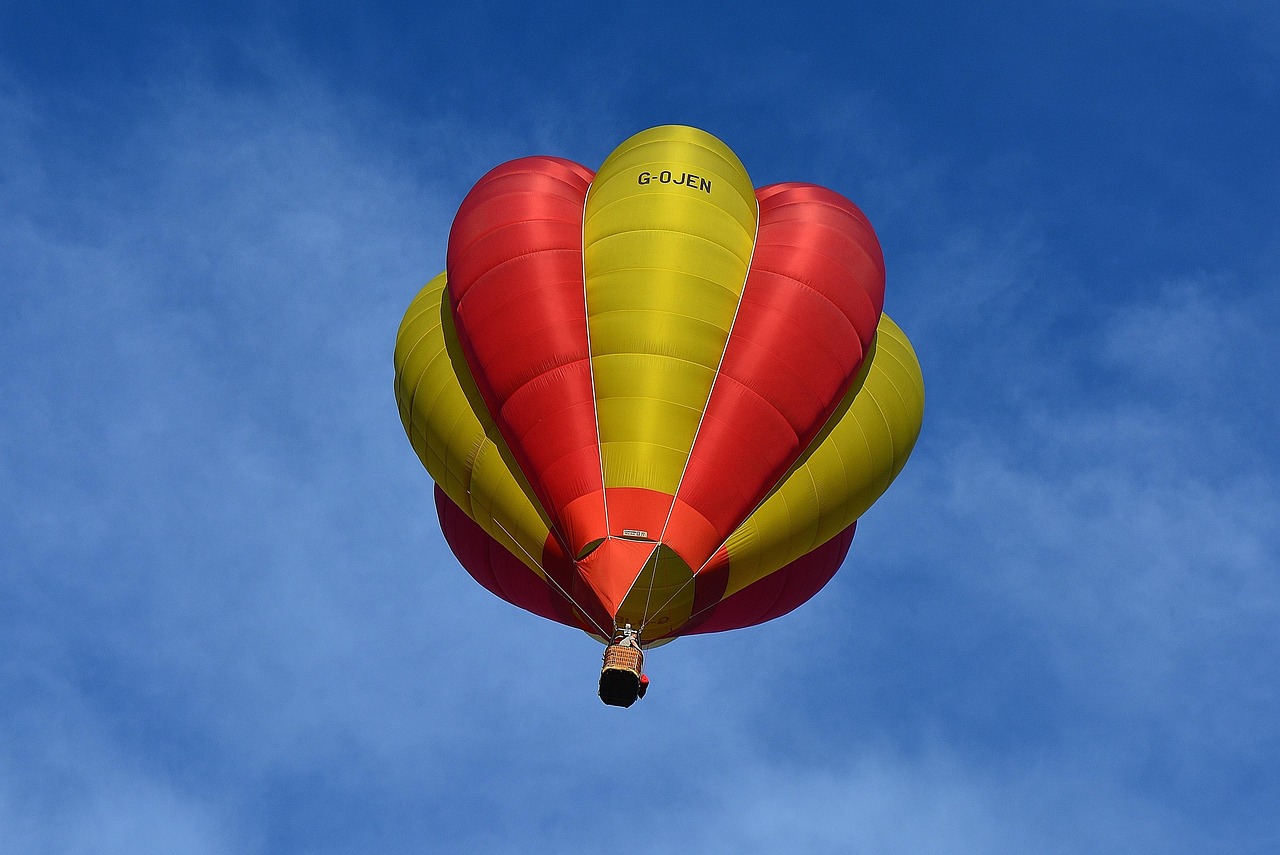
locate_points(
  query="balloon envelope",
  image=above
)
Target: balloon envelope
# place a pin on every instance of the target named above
(655, 395)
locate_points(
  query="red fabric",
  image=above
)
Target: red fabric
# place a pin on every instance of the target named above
(606, 575)
(515, 283)
(809, 311)
(773, 596)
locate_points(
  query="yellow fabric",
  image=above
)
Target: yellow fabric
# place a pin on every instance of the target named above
(451, 430)
(662, 596)
(669, 228)
(849, 465)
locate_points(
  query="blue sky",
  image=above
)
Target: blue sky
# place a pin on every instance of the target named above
(228, 623)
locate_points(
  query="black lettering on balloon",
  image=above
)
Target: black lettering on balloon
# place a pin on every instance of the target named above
(684, 179)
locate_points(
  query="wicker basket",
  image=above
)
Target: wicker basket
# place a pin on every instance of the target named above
(623, 658)
(620, 676)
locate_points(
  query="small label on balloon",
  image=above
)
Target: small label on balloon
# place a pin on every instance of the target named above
(634, 532)
(684, 179)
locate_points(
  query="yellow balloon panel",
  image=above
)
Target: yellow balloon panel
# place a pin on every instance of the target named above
(668, 381)
(649, 336)
(669, 229)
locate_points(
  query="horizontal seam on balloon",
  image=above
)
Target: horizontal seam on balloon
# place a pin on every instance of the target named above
(845, 269)
(420, 307)
(834, 357)
(487, 193)
(851, 210)
(508, 260)
(710, 241)
(513, 297)
(517, 227)
(686, 274)
(808, 282)
(903, 371)
(698, 203)
(476, 199)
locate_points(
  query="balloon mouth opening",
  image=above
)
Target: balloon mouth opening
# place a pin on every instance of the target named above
(640, 582)
(589, 548)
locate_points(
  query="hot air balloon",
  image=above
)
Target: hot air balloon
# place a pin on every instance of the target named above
(654, 399)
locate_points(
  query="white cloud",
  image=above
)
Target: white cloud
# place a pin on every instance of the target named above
(208, 531)
(65, 787)
(933, 803)
(1202, 335)
(1128, 531)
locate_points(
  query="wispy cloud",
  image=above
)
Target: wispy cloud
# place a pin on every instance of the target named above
(209, 532)
(931, 803)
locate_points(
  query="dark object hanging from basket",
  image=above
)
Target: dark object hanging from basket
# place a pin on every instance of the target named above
(620, 678)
